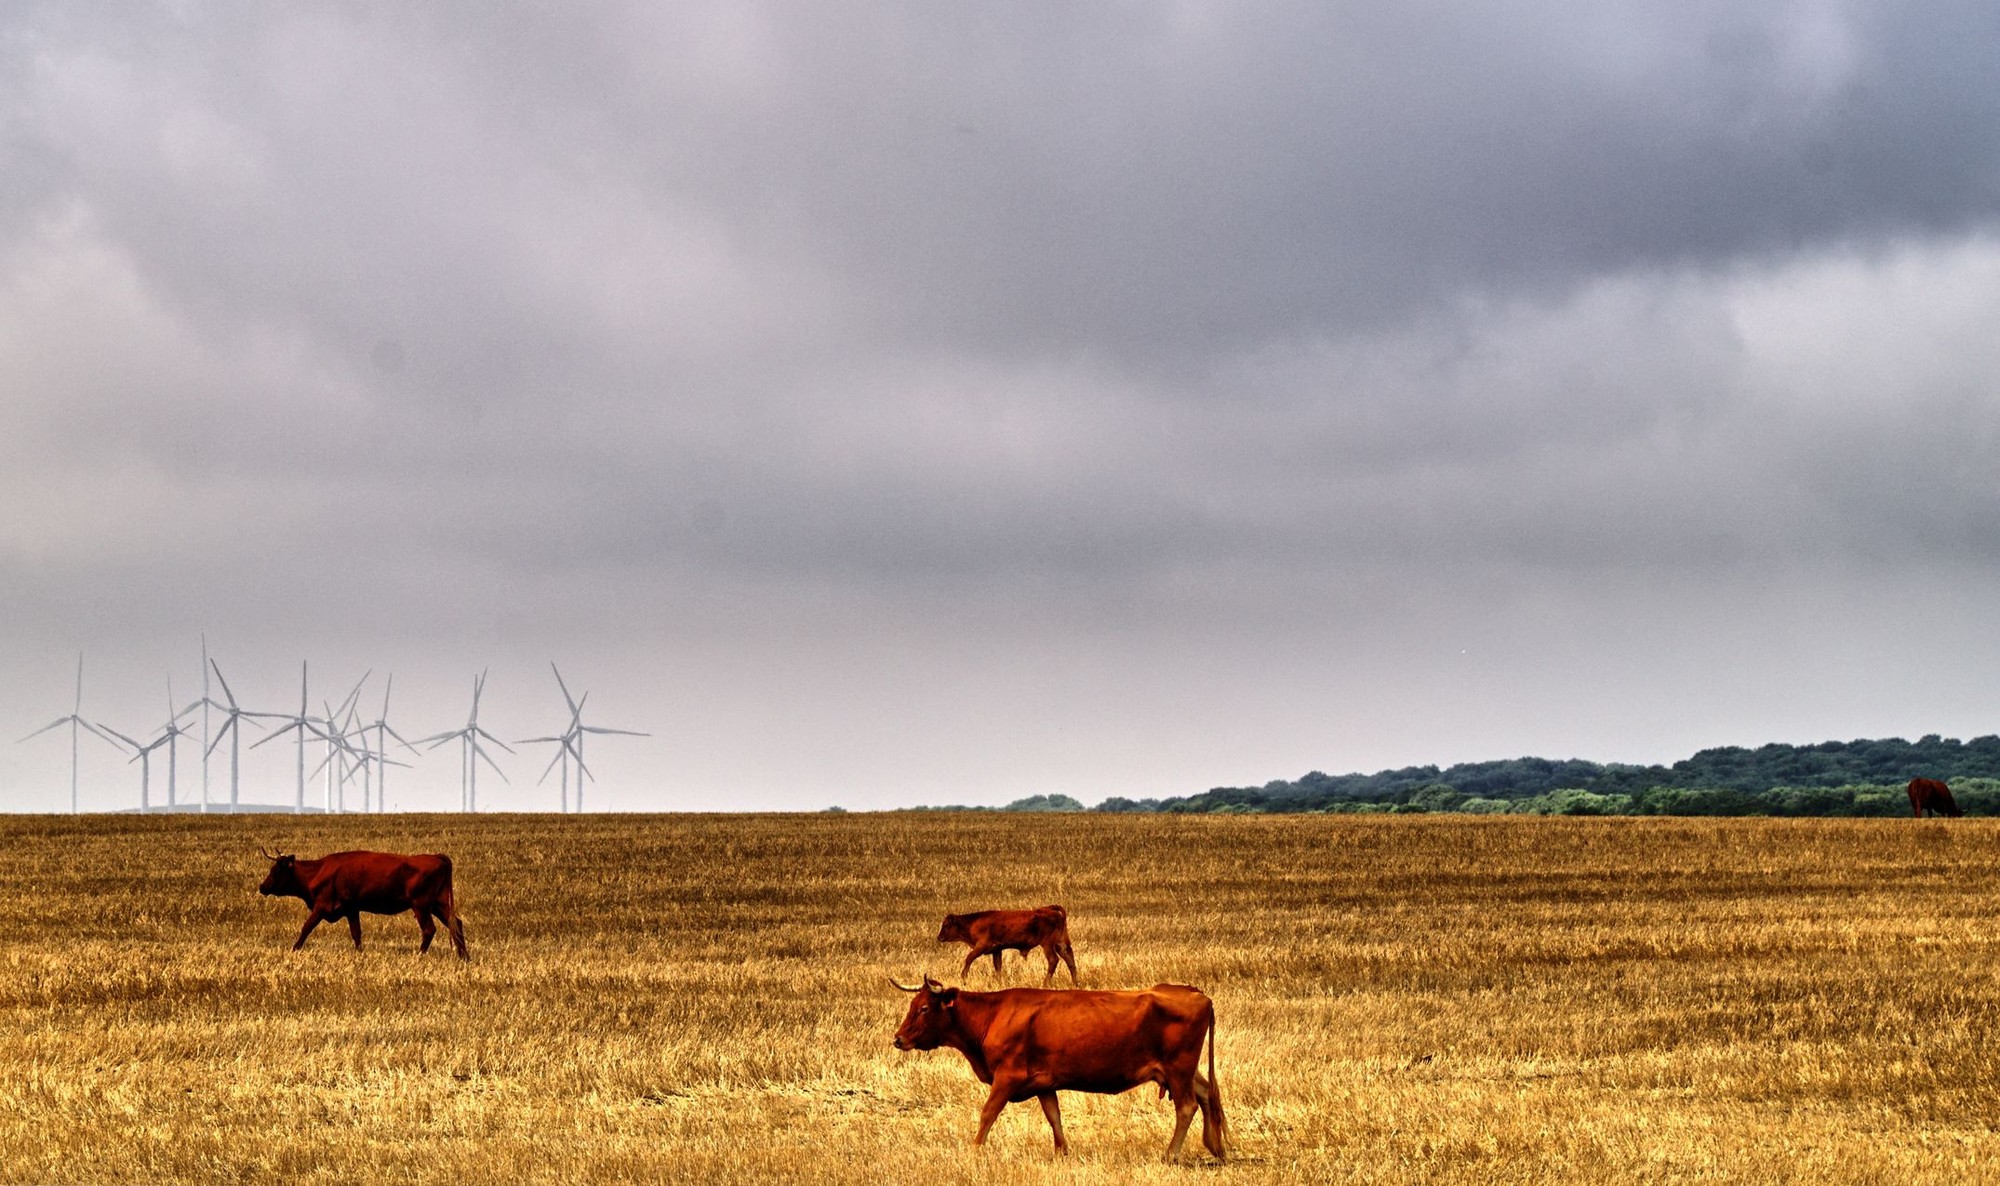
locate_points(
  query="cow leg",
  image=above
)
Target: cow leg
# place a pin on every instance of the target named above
(996, 961)
(1053, 1110)
(312, 920)
(1184, 1109)
(354, 927)
(1049, 954)
(1069, 957)
(996, 1100)
(427, 927)
(970, 956)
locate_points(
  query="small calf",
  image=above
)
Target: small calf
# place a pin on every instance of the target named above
(994, 932)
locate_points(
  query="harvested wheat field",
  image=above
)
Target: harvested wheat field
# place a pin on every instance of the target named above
(707, 998)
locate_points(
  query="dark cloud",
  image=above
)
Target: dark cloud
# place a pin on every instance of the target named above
(917, 402)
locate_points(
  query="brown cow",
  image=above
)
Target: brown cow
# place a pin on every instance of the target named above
(343, 884)
(1928, 794)
(1029, 1043)
(996, 932)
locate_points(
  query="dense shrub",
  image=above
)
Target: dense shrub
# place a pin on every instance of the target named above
(1044, 803)
(1574, 801)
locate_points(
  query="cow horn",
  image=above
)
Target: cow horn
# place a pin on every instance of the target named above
(267, 856)
(907, 987)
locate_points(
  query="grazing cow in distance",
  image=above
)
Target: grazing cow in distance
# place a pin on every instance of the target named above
(996, 932)
(343, 884)
(1029, 1043)
(1928, 794)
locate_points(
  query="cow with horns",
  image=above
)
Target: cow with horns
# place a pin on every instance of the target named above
(996, 932)
(343, 884)
(1029, 1043)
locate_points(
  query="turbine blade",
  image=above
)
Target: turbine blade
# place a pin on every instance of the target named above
(567, 698)
(227, 694)
(220, 732)
(119, 736)
(280, 731)
(356, 693)
(94, 731)
(480, 753)
(51, 725)
(625, 732)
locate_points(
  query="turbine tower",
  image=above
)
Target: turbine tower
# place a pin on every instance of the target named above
(75, 722)
(206, 702)
(471, 753)
(173, 734)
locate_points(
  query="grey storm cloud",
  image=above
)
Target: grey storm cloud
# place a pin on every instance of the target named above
(1114, 346)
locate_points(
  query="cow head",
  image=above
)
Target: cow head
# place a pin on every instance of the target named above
(928, 1024)
(953, 930)
(283, 880)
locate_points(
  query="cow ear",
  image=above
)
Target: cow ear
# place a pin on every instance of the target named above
(948, 997)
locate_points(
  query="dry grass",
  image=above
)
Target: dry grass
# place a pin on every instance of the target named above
(706, 999)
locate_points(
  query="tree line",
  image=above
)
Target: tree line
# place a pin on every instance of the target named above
(1864, 777)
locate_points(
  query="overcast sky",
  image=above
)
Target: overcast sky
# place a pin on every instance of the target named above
(886, 404)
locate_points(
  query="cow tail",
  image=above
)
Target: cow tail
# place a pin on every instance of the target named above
(449, 896)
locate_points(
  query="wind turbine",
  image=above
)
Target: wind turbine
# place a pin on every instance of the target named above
(337, 745)
(304, 724)
(233, 726)
(142, 754)
(170, 735)
(576, 731)
(75, 722)
(380, 753)
(563, 741)
(471, 753)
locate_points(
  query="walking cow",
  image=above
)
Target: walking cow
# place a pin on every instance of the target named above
(996, 932)
(1029, 1043)
(343, 884)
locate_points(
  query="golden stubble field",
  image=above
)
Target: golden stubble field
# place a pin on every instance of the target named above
(706, 998)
